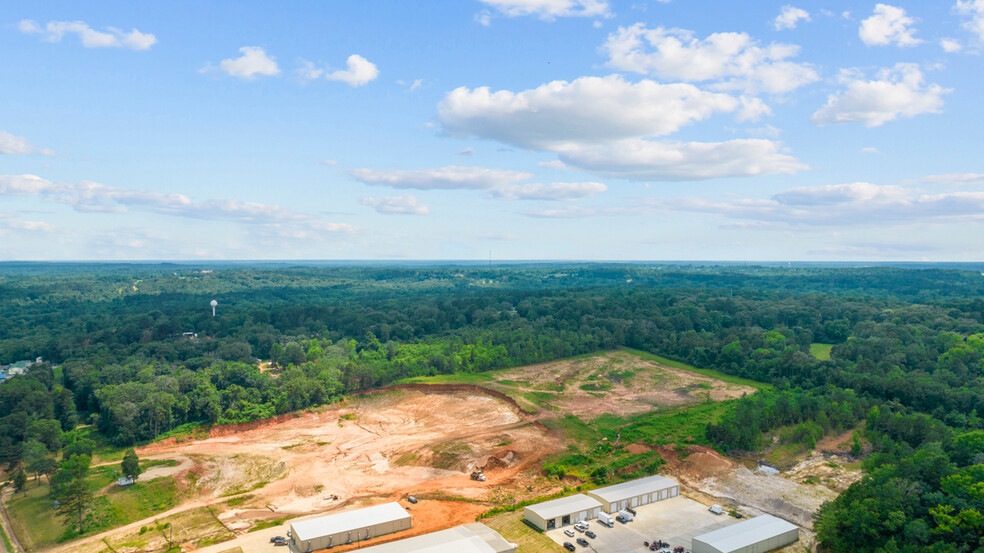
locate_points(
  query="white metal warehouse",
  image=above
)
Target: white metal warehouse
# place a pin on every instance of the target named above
(470, 538)
(562, 512)
(756, 535)
(348, 527)
(636, 492)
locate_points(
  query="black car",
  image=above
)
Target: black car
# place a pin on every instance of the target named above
(582, 542)
(278, 540)
(568, 546)
(590, 534)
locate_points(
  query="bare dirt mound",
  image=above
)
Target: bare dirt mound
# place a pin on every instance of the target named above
(732, 484)
(613, 382)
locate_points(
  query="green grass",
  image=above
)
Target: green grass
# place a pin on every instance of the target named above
(511, 526)
(6, 541)
(461, 378)
(821, 351)
(267, 524)
(686, 423)
(711, 373)
(39, 527)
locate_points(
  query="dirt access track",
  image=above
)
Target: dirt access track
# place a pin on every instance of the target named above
(371, 448)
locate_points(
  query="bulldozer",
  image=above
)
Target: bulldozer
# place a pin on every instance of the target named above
(477, 475)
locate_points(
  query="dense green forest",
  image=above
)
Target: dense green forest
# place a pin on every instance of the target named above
(135, 351)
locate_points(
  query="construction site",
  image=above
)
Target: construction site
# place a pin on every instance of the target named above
(446, 453)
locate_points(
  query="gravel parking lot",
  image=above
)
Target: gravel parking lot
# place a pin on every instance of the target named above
(676, 521)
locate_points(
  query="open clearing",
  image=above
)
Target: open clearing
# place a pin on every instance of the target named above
(240, 485)
(621, 382)
(377, 447)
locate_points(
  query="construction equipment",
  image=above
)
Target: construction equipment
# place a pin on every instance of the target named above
(477, 475)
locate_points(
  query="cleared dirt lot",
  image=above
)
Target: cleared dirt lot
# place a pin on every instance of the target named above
(614, 382)
(374, 448)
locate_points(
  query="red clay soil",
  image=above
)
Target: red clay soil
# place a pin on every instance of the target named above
(702, 462)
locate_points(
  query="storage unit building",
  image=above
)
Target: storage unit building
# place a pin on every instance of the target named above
(348, 527)
(470, 538)
(756, 535)
(636, 492)
(562, 512)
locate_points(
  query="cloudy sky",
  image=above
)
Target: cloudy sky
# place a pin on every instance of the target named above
(532, 129)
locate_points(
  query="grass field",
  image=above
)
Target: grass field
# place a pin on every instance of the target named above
(6, 541)
(821, 351)
(38, 526)
(711, 373)
(512, 527)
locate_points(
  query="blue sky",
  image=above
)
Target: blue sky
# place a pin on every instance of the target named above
(534, 129)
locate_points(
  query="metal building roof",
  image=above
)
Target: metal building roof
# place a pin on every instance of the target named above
(754, 530)
(314, 528)
(564, 506)
(470, 538)
(625, 490)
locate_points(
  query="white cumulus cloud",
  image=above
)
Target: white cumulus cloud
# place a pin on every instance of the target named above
(18, 145)
(974, 9)
(31, 226)
(728, 61)
(897, 92)
(111, 37)
(359, 71)
(451, 177)
(396, 205)
(638, 159)
(789, 17)
(548, 10)
(552, 191)
(950, 45)
(888, 25)
(253, 61)
(852, 204)
(586, 110)
(956, 179)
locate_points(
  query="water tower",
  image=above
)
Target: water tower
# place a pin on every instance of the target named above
(213, 303)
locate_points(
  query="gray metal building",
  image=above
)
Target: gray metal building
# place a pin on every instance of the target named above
(562, 512)
(470, 538)
(635, 493)
(348, 527)
(756, 535)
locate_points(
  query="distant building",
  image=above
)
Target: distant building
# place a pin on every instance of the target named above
(19, 367)
(756, 535)
(348, 527)
(125, 481)
(562, 512)
(635, 492)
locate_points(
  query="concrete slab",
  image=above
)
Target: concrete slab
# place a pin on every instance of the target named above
(676, 521)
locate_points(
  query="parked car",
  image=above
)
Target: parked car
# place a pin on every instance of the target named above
(569, 533)
(278, 540)
(619, 517)
(580, 526)
(568, 546)
(590, 534)
(582, 542)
